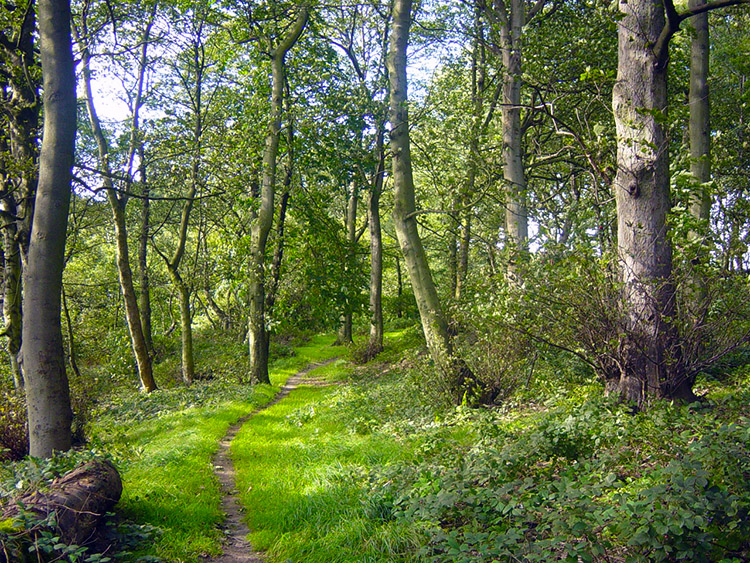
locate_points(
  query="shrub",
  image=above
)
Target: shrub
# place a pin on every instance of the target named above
(14, 439)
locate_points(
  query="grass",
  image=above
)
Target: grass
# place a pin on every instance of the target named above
(376, 471)
(165, 459)
(300, 473)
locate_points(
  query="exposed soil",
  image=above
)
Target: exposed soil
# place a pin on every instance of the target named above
(236, 547)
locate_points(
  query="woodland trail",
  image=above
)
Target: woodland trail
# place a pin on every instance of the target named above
(236, 548)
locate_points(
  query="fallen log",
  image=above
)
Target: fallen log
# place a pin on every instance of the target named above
(79, 499)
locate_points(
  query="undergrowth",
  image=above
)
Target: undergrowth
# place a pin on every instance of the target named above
(163, 444)
(379, 470)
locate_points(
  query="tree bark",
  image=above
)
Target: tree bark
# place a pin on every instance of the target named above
(261, 225)
(700, 152)
(516, 215)
(651, 363)
(457, 375)
(20, 172)
(144, 282)
(375, 345)
(47, 392)
(12, 294)
(345, 329)
(136, 145)
(173, 264)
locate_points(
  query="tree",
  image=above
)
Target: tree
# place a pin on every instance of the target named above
(118, 202)
(19, 163)
(47, 393)
(651, 363)
(262, 221)
(459, 378)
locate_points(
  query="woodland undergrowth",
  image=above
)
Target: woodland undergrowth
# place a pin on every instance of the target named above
(378, 468)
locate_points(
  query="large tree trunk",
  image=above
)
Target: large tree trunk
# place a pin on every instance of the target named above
(80, 499)
(458, 377)
(261, 225)
(651, 363)
(47, 392)
(117, 204)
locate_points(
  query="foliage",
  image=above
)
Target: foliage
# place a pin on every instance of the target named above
(14, 440)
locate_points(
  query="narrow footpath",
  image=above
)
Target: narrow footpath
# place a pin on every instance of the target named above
(236, 548)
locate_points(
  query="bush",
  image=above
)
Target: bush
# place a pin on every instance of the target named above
(14, 438)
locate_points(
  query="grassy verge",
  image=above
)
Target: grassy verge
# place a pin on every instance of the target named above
(300, 474)
(165, 457)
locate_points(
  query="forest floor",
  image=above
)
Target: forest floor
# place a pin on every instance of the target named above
(236, 548)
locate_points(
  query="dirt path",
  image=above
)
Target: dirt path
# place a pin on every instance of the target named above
(236, 547)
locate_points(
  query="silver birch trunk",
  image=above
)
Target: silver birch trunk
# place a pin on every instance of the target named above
(21, 173)
(47, 392)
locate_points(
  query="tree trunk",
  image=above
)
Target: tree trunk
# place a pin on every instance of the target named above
(136, 145)
(21, 174)
(700, 152)
(47, 392)
(458, 377)
(79, 499)
(144, 283)
(516, 214)
(345, 329)
(261, 225)
(186, 327)
(376, 248)
(12, 291)
(651, 363)
(71, 339)
(117, 204)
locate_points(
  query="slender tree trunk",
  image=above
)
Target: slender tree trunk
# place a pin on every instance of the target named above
(457, 375)
(47, 392)
(21, 172)
(71, 341)
(700, 149)
(136, 146)
(12, 294)
(399, 289)
(117, 204)
(651, 362)
(700, 127)
(376, 248)
(261, 225)
(173, 264)
(144, 282)
(345, 329)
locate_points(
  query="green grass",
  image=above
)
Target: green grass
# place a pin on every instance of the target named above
(165, 457)
(301, 474)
